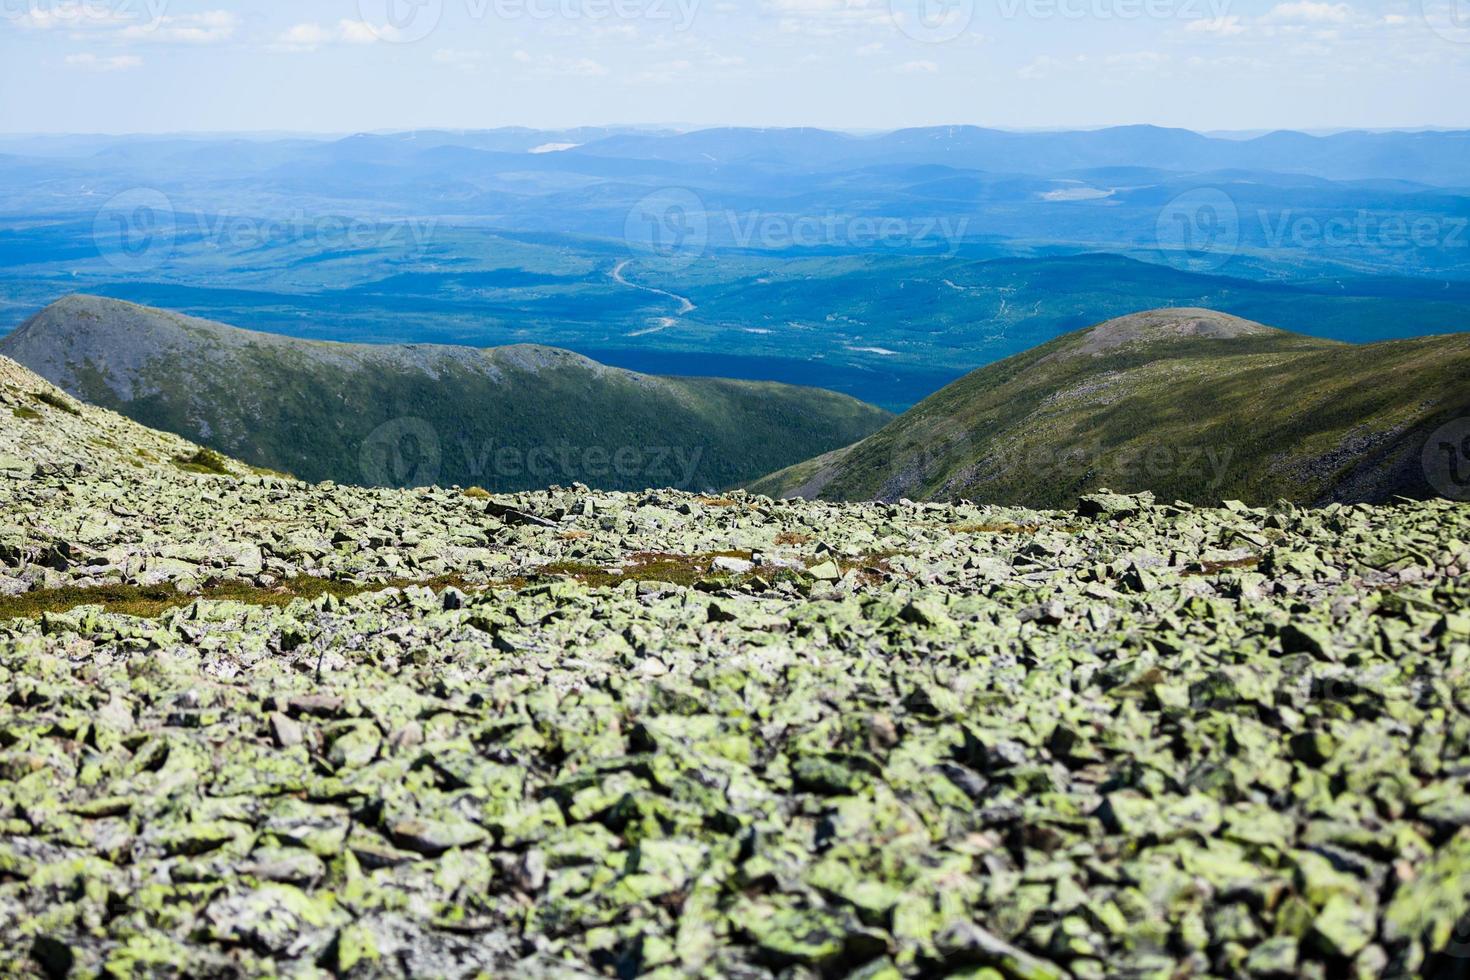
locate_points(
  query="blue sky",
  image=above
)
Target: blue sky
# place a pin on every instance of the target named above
(351, 65)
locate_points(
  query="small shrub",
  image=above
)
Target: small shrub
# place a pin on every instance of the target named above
(477, 493)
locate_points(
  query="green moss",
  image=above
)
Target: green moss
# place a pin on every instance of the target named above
(692, 570)
(1249, 564)
(205, 461)
(149, 602)
(1001, 529)
(56, 402)
(27, 414)
(686, 570)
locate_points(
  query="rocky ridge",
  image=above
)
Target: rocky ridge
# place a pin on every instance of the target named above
(660, 734)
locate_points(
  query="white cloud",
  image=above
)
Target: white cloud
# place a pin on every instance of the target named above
(586, 67)
(553, 65)
(457, 57)
(1226, 26)
(918, 68)
(665, 72)
(309, 36)
(1040, 68)
(303, 37)
(1309, 12)
(90, 62)
(1138, 60)
(359, 32)
(210, 27)
(870, 50)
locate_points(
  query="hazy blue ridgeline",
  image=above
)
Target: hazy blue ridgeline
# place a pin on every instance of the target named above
(469, 238)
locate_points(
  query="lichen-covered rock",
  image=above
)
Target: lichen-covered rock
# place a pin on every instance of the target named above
(582, 734)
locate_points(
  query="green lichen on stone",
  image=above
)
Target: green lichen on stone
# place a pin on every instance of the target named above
(580, 733)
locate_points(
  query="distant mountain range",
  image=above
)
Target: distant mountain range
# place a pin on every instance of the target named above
(505, 418)
(1190, 404)
(881, 265)
(1118, 189)
(1440, 157)
(1431, 157)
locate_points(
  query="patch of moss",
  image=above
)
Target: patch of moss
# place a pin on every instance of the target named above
(150, 602)
(871, 568)
(692, 570)
(1215, 567)
(716, 502)
(477, 493)
(205, 461)
(56, 402)
(686, 570)
(1003, 529)
(26, 414)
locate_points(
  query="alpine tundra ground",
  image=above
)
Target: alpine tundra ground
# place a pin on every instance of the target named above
(667, 735)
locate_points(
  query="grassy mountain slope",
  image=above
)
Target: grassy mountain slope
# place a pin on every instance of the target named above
(1190, 404)
(44, 431)
(506, 418)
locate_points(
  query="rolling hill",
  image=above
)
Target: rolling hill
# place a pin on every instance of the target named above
(505, 418)
(1187, 403)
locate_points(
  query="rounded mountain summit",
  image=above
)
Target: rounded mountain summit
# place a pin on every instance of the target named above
(1188, 403)
(506, 418)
